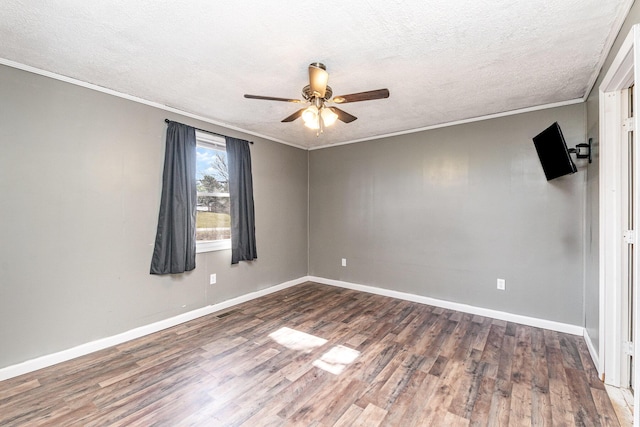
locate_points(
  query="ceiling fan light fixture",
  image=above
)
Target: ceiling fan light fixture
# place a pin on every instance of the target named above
(315, 125)
(310, 115)
(328, 116)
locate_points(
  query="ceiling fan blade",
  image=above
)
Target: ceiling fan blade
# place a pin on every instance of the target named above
(293, 116)
(271, 98)
(318, 79)
(362, 96)
(343, 115)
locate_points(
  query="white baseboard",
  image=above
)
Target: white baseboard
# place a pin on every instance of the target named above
(592, 352)
(495, 314)
(93, 346)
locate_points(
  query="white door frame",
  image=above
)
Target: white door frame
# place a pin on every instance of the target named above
(621, 74)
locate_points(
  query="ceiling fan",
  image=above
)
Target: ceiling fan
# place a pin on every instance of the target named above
(318, 115)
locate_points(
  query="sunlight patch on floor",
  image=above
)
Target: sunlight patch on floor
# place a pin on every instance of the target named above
(337, 359)
(296, 340)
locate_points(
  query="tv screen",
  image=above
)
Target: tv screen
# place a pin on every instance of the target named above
(553, 153)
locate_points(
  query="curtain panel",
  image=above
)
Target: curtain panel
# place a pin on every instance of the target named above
(175, 246)
(243, 228)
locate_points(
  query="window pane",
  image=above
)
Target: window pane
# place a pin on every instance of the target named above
(212, 221)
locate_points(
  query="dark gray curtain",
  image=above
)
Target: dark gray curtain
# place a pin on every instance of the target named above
(243, 228)
(175, 248)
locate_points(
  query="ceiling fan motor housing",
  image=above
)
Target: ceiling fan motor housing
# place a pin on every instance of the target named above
(307, 93)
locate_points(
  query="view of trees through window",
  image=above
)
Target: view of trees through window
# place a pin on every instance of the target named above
(213, 221)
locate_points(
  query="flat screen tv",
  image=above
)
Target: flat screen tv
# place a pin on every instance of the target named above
(553, 153)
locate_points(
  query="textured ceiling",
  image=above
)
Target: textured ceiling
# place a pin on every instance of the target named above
(442, 60)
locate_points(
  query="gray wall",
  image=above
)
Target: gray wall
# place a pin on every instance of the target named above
(80, 177)
(444, 213)
(592, 288)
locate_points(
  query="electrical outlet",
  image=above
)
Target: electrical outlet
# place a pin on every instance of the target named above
(501, 284)
(212, 279)
(344, 262)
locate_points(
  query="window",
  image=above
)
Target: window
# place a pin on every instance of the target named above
(213, 221)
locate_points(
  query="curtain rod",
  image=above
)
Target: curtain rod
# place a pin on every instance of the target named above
(202, 130)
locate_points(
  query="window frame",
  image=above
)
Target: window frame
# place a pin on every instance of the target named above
(210, 141)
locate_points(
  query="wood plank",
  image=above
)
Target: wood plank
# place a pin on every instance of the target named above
(521, 366)
(19, 389)
(468, 386)
(540, 397)
(330, 403)
(500, 408)
(492, 349)
(584, 408)
(386, 396)
(604, 407)
(480, 341)
(561, 411)
(482, 407)
(571, 355)
(372, 416)
(404, 400)
(438, 405)
(374, 359)
(506, 358)
(349, 417)
(520, 412)
(376, 384)
(454, 420)
(415, 412)
(300, 391)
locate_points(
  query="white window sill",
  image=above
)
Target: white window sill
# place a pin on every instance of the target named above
(217, 245)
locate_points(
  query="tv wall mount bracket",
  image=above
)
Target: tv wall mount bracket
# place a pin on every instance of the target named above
(582, 151)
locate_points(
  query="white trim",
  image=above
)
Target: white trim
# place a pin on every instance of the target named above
(86, 85)
(213, 246)
(591, 348)
(457, 122)
(93, 346)
(205, 139)
(495, 314)
(610, 231)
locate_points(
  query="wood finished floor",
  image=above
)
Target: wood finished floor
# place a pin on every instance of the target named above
(274, 361)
